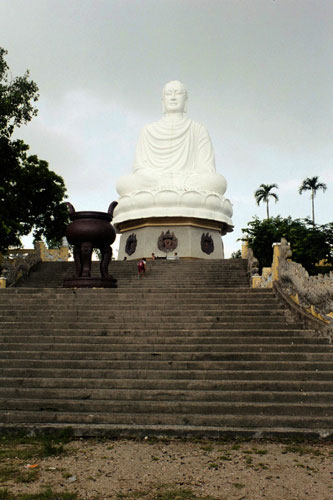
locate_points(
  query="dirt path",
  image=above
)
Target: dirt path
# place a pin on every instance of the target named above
(179, 470)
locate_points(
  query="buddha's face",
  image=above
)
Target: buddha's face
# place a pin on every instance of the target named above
(174, 97)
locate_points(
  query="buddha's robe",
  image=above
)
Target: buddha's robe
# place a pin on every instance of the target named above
(173, 154)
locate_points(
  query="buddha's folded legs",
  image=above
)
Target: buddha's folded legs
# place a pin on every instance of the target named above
(150, 181)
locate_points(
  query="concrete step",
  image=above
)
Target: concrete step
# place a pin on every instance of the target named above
(305, 338)
(113, 305)
(107, 293)
(230, 373)
(189, 348)
(168, 365)
(115, 431)
(161, 332)
(101, 397)
(171, 408)
(83, 385)
(166, 395)
(169, 356)
(139, 314)
(245, 324)
(105, 348)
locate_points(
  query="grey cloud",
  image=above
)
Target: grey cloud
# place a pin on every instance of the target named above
(259, 75)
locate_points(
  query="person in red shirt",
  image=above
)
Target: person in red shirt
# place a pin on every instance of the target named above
(141, 267)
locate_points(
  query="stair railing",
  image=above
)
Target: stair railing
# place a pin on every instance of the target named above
(308, 296)
(17, 264)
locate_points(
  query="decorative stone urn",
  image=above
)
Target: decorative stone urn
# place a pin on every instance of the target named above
(89, 230)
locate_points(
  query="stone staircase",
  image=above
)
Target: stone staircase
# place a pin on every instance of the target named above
(189, 349)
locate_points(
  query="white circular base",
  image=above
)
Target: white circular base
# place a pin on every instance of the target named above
(173, 203)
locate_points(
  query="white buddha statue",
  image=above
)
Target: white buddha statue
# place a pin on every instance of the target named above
(174, 169)
(174, 152)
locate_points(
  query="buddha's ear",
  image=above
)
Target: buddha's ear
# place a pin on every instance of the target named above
(163, 106)
(185, 105)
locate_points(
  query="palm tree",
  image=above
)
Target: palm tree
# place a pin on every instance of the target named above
(263, 194)
(312, 184)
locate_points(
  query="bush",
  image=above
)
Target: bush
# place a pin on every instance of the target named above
(309, 243)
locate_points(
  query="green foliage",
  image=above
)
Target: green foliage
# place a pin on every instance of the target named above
(264, 193)
(16, 98)
(236, 255)
(310, 244)
(47, 494)
(163, 492)
(31, 196)
(312, 184)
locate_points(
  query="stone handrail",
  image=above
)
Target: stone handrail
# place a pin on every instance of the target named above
(17, 264)
(314, 294)
(311, 294)
(252, 261)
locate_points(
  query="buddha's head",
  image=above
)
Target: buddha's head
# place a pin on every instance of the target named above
(174, 97)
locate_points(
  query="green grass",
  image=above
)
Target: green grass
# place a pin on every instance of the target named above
(47, 494)
(17, 451)
(163, 492)
(239, 486)
(17, 474)
(28, 448)
(207, 447)
(302, 450)
(260, 452)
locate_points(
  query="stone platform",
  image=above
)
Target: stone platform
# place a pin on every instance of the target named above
(165, 236)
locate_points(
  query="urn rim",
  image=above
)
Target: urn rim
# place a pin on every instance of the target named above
(91, 215)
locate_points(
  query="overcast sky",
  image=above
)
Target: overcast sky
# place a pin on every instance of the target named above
(259, 74)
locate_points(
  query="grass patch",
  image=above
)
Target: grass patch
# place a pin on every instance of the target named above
(28, 448)
(207, 447)
(15, 473)
(51, 449)
(7, 473)
(163, 492)
(239, 486)
(302, 450)
(260, 452)
(47, 494)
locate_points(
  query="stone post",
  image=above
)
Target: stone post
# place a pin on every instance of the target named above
(281, 253)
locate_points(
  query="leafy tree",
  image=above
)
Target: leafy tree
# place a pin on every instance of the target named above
(237, 254)
(312, 184)
(310, 244)
(264, 193)
(30, 194)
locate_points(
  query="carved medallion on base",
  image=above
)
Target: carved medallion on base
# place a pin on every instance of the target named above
(131, 243)
(167, 242)
(207, 243)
